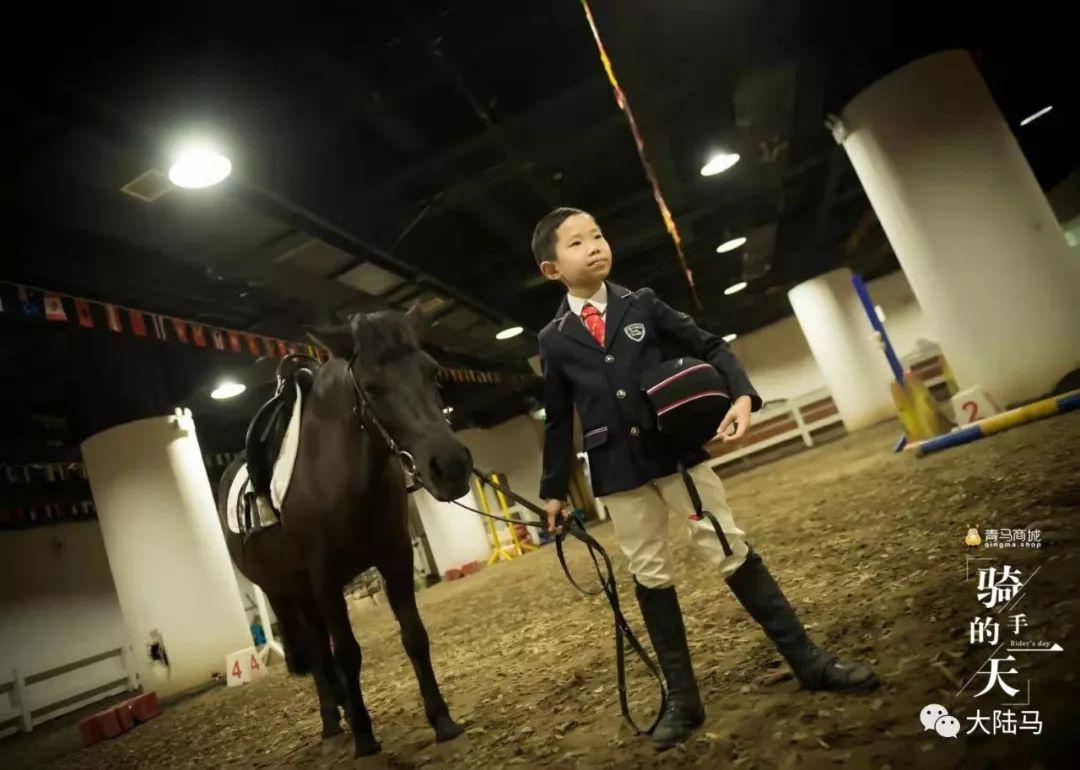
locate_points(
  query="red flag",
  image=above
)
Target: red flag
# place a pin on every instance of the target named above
(253, 345)
(219, 338)
(82, 310)
(54, 308)
(112, 318)
(234, 341)
(282, 349)
(198, 335)
(158, 322)
(181, 330)
(138, 323)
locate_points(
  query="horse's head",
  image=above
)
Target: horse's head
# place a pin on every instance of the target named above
(397, 380)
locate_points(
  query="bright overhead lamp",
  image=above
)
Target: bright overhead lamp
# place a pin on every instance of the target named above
(731, 245)
(719, 162)
(1036, 115)
(227, 389)
(199, 166)
(735, 287)
(729, 337)
(506, 334)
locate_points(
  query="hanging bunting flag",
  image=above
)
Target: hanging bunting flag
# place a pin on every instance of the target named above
(311, 351)
(253, 345)
(181, 329)
(234, 341)
(112, 318)
(158, 322)
(30, 302)
(54, 308)
(282, 350)
(82, 312)
(218, 337)
(198, 335)
(138, 323)
(268, 346)
(624, 105)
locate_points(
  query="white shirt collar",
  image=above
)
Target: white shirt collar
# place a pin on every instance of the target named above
(598, 300)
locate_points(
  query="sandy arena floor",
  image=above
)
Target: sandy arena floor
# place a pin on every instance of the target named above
(867, 545)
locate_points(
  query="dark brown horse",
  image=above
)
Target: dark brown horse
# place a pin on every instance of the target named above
(345, 512)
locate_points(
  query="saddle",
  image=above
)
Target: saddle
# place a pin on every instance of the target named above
(266, 431)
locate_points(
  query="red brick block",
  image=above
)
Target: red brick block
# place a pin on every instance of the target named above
(470, 568)
(124, 716)
(144, 707)
(452, 574)
(90, 730)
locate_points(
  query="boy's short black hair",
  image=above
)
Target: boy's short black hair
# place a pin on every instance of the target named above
(543, 239)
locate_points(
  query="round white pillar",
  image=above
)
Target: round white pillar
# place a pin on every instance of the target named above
(975, 235)
(839, 334)
(172, 571)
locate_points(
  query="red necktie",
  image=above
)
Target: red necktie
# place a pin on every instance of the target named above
(594, 322)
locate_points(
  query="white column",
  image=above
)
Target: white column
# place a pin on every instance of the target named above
(838, 333)
(166, 550)
(974, 233)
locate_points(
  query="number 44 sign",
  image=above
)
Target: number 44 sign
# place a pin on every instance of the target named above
(244, 666)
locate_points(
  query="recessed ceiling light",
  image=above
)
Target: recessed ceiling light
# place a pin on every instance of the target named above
(506, 334)
(731, 245)
(199, 166)
(228, 390)
(735, 287)
(719, 162)
(730, 337)
(1036, 115)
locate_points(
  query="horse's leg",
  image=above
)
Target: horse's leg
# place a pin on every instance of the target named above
(330, 599)
(397, 573)
(307, 651)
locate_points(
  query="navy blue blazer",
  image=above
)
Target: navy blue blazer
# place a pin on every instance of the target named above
(624, 448)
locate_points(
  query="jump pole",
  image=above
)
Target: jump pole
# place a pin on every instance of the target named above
(999, 422)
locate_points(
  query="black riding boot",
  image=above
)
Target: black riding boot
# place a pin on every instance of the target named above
(664, 621)
(815, 668)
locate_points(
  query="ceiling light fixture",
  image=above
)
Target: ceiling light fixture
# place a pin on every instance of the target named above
(506, 334)
(199, 166)
(227, 389)
(729, 337)
(735, 287)
(719, 162)
(1036, 115)
(731, 245)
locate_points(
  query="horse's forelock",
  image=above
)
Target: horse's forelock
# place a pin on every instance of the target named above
(382, 336)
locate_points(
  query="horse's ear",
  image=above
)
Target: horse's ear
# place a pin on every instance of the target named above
(418, 320)
(337, 339)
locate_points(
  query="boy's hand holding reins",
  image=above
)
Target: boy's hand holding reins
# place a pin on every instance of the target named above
(739, 414)
(556, 511)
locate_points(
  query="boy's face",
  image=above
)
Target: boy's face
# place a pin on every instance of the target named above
(583, 256)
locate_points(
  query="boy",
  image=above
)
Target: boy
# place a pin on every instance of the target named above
(592, 355)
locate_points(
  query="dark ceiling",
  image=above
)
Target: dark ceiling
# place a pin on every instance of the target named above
(389, 152)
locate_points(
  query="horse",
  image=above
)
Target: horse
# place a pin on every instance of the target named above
(372, 406)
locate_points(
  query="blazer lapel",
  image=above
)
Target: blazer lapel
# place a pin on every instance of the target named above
(570, 324)
(619, 300)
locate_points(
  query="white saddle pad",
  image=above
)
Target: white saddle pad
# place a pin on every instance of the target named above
(279, 480)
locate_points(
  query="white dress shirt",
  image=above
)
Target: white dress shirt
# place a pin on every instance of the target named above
(598, 300)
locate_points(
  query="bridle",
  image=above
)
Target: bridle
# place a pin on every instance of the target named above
(366, 415)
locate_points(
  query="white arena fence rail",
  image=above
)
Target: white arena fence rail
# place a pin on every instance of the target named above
(29, 703)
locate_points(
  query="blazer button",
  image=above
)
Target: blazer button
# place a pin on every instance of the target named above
(610, 359)
(620, 393)
(635, 430)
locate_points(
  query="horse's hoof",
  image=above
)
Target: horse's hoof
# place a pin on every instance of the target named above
(330, 729)
(366, 745)
(446, 729)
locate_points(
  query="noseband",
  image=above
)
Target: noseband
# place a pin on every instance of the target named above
(366, 415)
